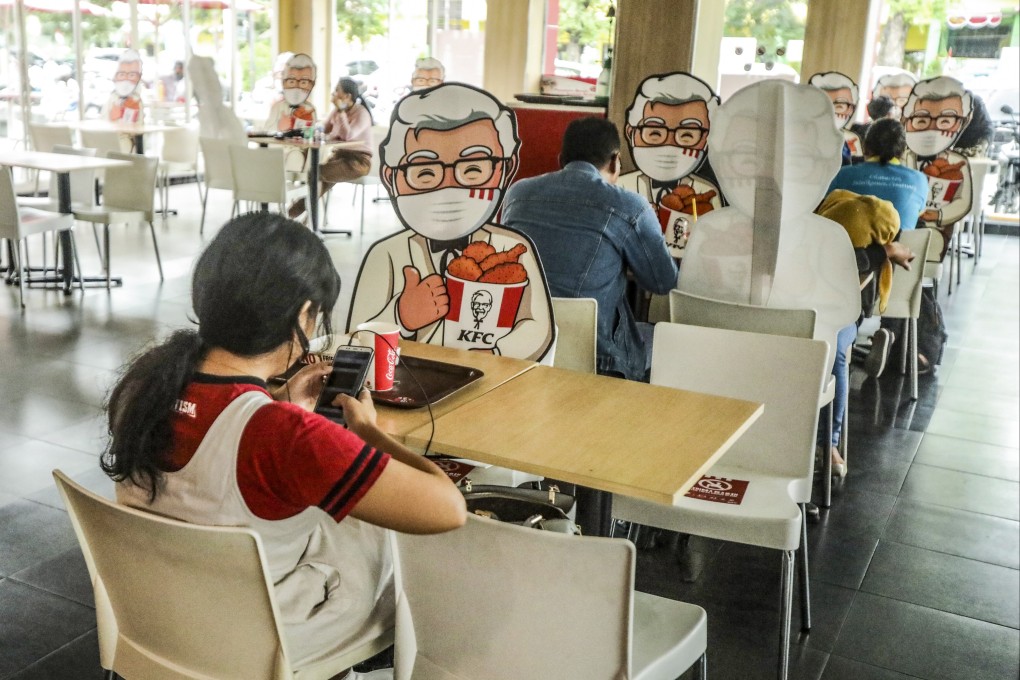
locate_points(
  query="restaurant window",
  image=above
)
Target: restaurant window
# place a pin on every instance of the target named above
(579, 38)
(762, 39)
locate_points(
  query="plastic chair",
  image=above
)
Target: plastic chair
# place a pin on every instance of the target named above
(218, 171)
(775, 456)
(695, 310)
(932, 266)
(565, 607)
(905, 301)
(576, 336)
(128, 196)
(18, 223)
(183, 601)
(178, 155)
(46, 136)
(260, 176)
(372, 178)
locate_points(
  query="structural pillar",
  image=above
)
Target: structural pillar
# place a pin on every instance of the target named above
(837, 38)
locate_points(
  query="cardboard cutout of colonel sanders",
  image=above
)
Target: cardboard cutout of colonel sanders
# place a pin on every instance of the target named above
(453, 277)
(842, 90)
(935, 114)
(895, 86)
(125, 104)
(667, 133)
(774, 152)
(293, 111)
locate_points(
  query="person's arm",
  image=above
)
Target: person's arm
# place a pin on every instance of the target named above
(646, 255)
(411, 495)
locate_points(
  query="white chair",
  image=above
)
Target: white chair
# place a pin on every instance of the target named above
(695, 310)
(576, 333)
(361, 184)
(18, 223)
(106, 142)
(181, 601)
(932, 272)
(128, 196)
(178, 156)
(562, 607)
(260, 177)
(82, 191)
(905, 301)
(45, 136)
(218, 173)
(775, 456)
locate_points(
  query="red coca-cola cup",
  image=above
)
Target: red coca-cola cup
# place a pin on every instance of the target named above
(387, 344)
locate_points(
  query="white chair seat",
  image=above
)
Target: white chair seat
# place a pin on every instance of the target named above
(657, 650)
(35, 221)
(761, 518)
(104, 216)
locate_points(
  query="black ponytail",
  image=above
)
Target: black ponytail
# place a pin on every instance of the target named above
(886, 139)
(249, 287)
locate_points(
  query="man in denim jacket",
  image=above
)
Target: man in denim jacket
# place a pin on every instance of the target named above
(589, 233)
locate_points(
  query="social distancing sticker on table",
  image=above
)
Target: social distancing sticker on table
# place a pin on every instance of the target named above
(454, 469)
(719, 490)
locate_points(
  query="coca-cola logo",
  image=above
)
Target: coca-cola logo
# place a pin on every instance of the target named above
(391, 363)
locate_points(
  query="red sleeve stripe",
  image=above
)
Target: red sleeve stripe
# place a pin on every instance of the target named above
(345, 489)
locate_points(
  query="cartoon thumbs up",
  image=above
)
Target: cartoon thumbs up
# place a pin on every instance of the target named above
(422, 301)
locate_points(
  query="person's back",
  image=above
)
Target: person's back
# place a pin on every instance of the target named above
(589, 233)
(883, 177)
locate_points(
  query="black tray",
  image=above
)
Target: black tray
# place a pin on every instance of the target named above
(438, 380)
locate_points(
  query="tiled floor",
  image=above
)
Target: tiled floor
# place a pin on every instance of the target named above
(914, 571)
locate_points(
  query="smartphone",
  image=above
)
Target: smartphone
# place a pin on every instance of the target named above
(350, 368)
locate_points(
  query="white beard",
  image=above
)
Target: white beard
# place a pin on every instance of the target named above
(666, 163)
(930, 142)
(295, 96)
(449, 213)
(124, 88)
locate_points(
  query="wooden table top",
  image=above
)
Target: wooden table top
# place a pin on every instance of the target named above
(57, 162)
(620, 436)
(496, 369)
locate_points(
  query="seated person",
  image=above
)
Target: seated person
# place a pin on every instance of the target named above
(428, 72)
(589, 233)
(349, 121)
(293, 111)
(197, 434)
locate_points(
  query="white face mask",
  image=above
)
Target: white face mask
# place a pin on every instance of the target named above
(295, 96)
(842, 121)
(666, 163)
(123, 88)
(449, 213)
(929, 142)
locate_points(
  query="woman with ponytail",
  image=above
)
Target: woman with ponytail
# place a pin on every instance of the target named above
(197, 434)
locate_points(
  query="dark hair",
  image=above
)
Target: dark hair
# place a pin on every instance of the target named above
(353, 88)
(886, 139)
(880, 106)
(247, 291)
(590, 139)
(979, 130)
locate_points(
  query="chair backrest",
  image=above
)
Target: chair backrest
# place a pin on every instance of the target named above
(695, 310)
(259, 174)
(8, 206)
(561, 605)
(216, 158)
(45, 137)
(905, 294)
(104, 142)
(180, 145)
(83, 190)
(576, 333)
(131, 188)
(784, 373)
(379, 133)
(176, 600)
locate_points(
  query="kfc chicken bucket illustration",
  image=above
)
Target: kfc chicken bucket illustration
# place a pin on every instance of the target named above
(485, 289)
(677, 211)
(944, 180)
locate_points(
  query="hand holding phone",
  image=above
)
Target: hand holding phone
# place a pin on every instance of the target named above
(350, 367)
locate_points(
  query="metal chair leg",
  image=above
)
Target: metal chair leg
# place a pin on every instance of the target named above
(155, 246)
(701, 667)
(785, 607)
(805, 584)
(827, 457)
(106, 249)
(912, 325)
(21, 272)
(201, 225)
(77, 262)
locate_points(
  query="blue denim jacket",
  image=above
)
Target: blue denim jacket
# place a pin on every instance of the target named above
(589, 233)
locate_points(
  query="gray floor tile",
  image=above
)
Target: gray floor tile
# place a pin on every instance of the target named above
(32, 414)
(963, 491)
(89, 436)
(978, 590)
(975, 427)
(28, 468)
(957, 532)
(927, 643)
(839, 560)
(65, 575)
(841, 668)
(92, 478)
(36, 623)
(979, 401)
(968, 456)
(78, 659)
(31, 533)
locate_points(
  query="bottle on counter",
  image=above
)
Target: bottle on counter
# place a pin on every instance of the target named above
(605, 78)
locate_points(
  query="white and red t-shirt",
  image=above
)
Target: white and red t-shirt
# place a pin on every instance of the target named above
(288, 458)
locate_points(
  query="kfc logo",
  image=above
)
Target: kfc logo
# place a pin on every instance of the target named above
(481, 303)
